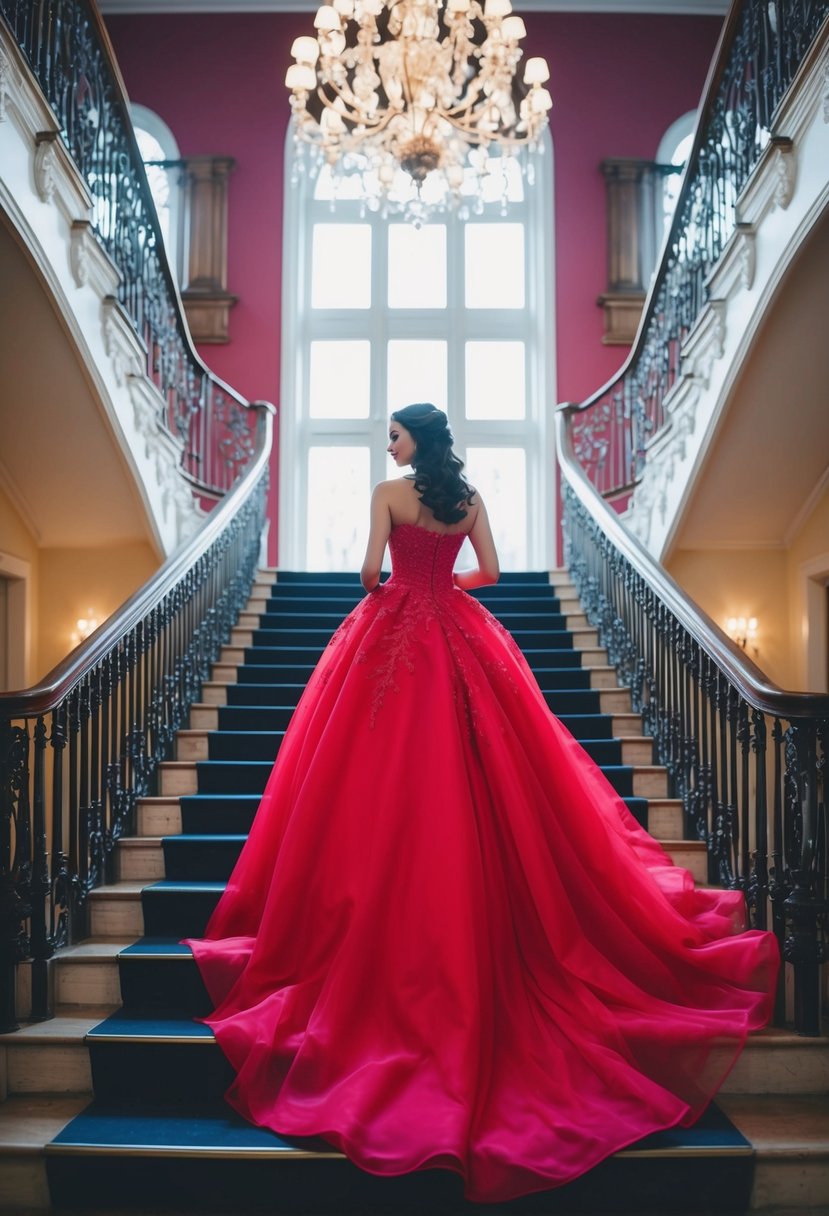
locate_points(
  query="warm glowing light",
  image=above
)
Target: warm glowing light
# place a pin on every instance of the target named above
(743, 630)
(419, 86)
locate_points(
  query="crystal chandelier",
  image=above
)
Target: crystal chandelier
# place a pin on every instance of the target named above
(426, 86)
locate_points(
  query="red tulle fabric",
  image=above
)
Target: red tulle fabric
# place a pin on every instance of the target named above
(447, 943)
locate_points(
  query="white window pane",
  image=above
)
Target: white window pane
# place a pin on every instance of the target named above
(495, 382)
(338, 502)
(417, 372)
(500, 180)
(341, 266)
(339, 379)
(494, 265)
(417, 266)
(500, 475)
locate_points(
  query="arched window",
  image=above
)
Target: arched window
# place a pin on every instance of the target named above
(160, 153)
(378, 313)
(672, 153)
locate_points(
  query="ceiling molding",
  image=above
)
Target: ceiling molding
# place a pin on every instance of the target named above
(706, 8)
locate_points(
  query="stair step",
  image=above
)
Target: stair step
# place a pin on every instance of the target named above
(86, 975)
(51, 1057)
(208, 1158)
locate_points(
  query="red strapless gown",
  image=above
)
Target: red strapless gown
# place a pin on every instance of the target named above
(447, 943)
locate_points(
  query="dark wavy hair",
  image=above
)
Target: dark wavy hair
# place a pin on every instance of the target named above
(438, 479)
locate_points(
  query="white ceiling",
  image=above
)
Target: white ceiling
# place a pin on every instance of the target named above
(716, 8)
(770, 455)
(59, 461)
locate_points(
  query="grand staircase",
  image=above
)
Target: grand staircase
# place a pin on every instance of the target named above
(157, 1136)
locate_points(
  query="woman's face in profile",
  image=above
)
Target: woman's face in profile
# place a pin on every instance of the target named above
(401, 444)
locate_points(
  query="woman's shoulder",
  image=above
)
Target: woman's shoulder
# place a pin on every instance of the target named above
(394, 487)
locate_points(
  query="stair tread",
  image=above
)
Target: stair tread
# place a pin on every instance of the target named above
(212, 1128)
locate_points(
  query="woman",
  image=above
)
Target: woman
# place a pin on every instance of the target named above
(447, 943)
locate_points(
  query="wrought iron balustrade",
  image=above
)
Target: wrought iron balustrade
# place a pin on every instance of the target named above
(762, 45)
(69, 53)
(78, 751)
(747, 760)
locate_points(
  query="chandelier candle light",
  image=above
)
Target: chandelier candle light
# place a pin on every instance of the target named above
(426, 86)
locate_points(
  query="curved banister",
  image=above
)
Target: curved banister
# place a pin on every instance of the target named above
(749, 680)
(760, 50)
(68, 50)
(54, 687)
(747, 760)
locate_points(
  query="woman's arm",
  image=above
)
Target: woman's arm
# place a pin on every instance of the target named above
(484, 546)
(378, 535)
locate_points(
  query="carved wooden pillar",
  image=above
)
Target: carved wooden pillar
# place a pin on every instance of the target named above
(206, 299)
(632, 193)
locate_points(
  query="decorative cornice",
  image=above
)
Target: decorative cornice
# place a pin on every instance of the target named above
(57, 178)
(735, 266)
(687, 8)
(771, 184)
(121, 343)
(90, 262)
(705, 342)
(5, 82)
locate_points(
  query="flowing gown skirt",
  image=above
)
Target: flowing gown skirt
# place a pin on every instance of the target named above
(447, 943)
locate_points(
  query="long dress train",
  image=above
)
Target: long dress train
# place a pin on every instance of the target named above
(447, 942)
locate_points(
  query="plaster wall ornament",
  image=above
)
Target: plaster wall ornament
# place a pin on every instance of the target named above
(5, 82)
(58, 180)
(125, 349)
(682, 400)
(91, 264)
(736, 265)
(705, 342)
(147, 406)
(771, 184)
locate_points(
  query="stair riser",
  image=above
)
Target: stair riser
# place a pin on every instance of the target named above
(62, 1068)
(215, 777)
(171, 986)
(787, 1183)
(84, 983)
(119, 918)
(208, 1184)
(24, 1186)
(176, 914)
(139, 863)
(793, 1068)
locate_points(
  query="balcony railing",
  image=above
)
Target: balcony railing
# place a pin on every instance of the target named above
(79, 750)
(68, 51)
(761, 47)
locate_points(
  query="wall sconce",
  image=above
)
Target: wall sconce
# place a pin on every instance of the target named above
(743, 630)
(84, 626)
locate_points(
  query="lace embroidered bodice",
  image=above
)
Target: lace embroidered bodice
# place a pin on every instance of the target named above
(423, 559)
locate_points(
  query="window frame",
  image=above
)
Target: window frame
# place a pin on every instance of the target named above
(534, 325)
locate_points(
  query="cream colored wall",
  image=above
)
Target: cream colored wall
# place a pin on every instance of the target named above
(77, 583)
(808, 576)
(18, 543)
(743, 582)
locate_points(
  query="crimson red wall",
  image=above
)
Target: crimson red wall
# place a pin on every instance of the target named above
(618, 81)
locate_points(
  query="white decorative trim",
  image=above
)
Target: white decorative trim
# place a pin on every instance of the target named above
(736, 266)
(90, 262)
(147, 406)
(121, 343)
(815, 495)
(771, 184)
(825, 90)
(705, 342)
(58, 180)
(5, 82)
